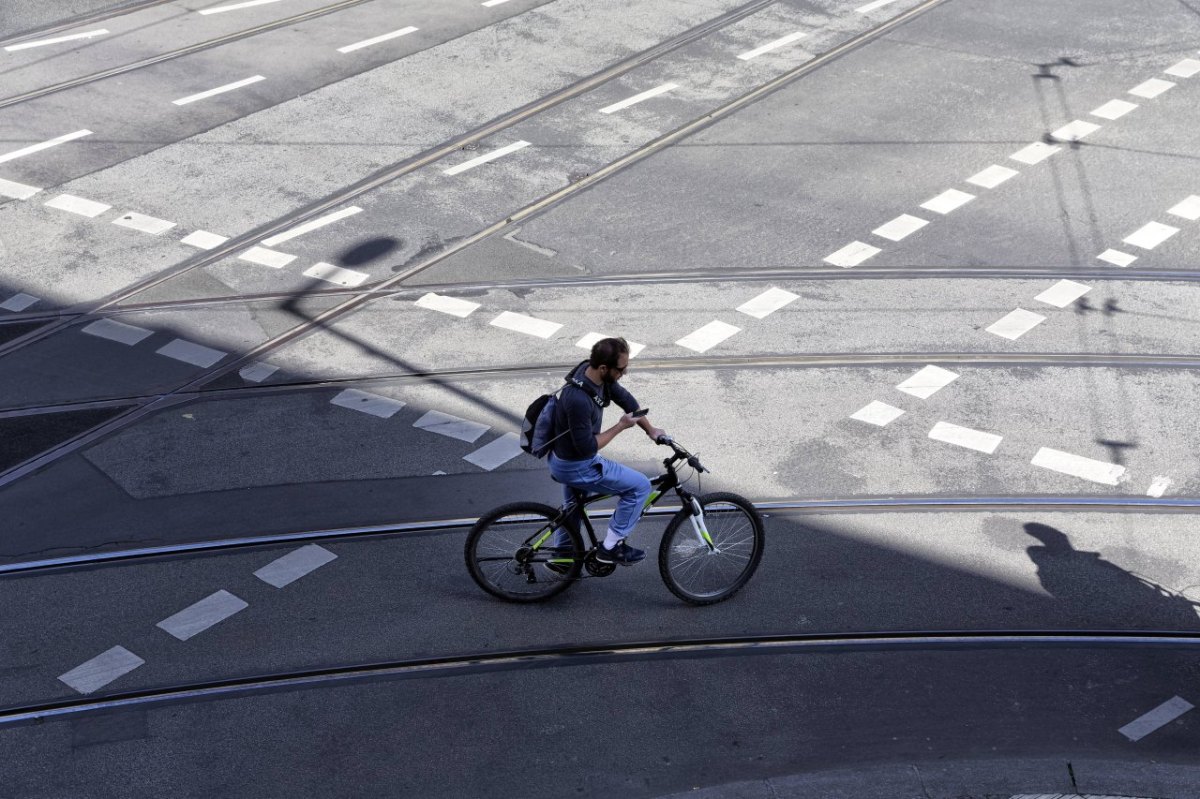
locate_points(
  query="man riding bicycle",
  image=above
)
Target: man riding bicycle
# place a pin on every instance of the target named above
(575, 460)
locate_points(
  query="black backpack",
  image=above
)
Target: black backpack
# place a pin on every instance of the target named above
(539, 428)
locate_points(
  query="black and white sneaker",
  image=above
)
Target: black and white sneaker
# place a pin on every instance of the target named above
(622, 553)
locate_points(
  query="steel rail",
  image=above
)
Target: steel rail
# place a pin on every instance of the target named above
(668, 649)
(82, 19)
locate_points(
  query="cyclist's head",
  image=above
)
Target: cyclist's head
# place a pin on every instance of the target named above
(611, 357)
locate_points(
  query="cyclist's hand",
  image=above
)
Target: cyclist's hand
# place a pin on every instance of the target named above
(627, 421)
(656, 433)
(662, 438)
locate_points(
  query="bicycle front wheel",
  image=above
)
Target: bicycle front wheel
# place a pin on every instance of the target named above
(510, 553)
(701, 574)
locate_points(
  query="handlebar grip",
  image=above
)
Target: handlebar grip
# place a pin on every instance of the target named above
(664, 440)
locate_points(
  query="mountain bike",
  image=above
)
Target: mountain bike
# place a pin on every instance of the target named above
(709, 550)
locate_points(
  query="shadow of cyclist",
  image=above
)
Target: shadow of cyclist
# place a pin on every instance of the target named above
(1097, 589)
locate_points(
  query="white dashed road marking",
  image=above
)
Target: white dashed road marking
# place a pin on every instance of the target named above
(1151, 88)
(591, 338)
(948, 201)
(12, 48)
(236, 6)
(928, 381)
(101, 670)
(497, 453)
(992, 177)
(877, 413)
(197, 618)
(1063, 293)
(1075, 130)
(901, 227)
(17, 191)
(769, 46)
(294, 565)
(965, 437)
(490, 3)
(1150, 235)
(18, 302)
(1189, 209)
(450, 305)
(33, 148)
(356, 400)
(195, 354)
(264, 257)
(145, 224)
(852, 254)
(257, 371)
(1035, 153)
(483, 159)
(1117, 258)
(767, 303)
(1158, 486)
(336, 274)
(637, 98)
(377, 39)
(228, 87)
(1184, 69)
(1016, 324)
(204, 240)
(1162, 715)
(709, 336)
(869, 7)
(78, 205)
(311, 225)
(1114, 109)
(117, 331)
(529, 325)
(451, 426)
(1078, 466)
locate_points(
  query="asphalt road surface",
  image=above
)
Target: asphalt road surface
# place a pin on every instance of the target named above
(918, 277)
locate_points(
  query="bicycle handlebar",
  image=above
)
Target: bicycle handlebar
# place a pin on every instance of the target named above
(680, 453)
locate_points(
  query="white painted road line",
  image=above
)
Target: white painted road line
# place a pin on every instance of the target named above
(869, 7)
(12, 48)
(257, 371)
(336, 274)
(901, 227)
(767, 303)
(1114, 109)
(1184, 69)
(265, 257)
(195, 354)
(1158, 486)
(311, 225)
(852, 254)
(33, 148)
(947, 201)
(1117, 258)
(376, 40)
(1076, 130)
(236, 6)
(1078, 466)
(1189, 209)
(877, 413)
(204, 240)
(965, 437)
(228, 87)
(197, 618)
(117, 331)
(637, 98)
(529, 325)
(18, 302)
(1016, 324)
(769, 46)
(993, 176)
(1035, 153)
(1063, 293)
(17, 191)
(483, 159)
(928, 381)
(356, 400)
(1150, 235)
(451, 305)
(1151, 88)
(490, 3)
(294, 565)
(709, 336)
(78, 205)
(497, 453)
(451, 426)
(591, 338)
(1162, 715)
(145, 224)
(101, 670)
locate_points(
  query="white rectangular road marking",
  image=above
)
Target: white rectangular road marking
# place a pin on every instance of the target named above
(490, 3)
(1150, 235)
(257, 371)
(1151, 88)
(1114, 109)
(117, 331)
(965, 437)
(1158, 486)
(947, 201)
(497, 453)
(1076, 130)
(1117, 258)
(1078, 466)
(294, 565)
(900, 228)
(33, 148)
(204, 240)
(591, 338)
(228, 87)
(336, 274)
(17, 191)
(877, 413)
(236, 6)
(1016, 324)
(1063, 293)
(769, 46)
(852, 254)
(350, 48)
(993, 176)
(1189, 209)
(356, 400)
(869, 7)
(311, 225)
(145, 224)
(529, 325)
(451, 426)
(1035, 153)
(767, 303)
(709, 336)
(451, 305)
(483, 159)
(1162, 715)
(195, 354)
(78, 205)
(928, 381)
(1185, 68)
(18, 302)
(637, 98)
(265, 257)
(12, 48)
(197, 618)
(101, 670)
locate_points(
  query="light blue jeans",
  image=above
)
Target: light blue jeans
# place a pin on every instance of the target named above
(598, 475)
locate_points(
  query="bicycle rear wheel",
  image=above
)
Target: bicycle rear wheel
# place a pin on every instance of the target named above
(704, 575)
(503, 560)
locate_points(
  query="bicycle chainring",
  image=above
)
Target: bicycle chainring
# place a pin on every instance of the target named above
(595, 567)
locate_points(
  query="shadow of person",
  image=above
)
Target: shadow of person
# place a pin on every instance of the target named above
(1101, 594)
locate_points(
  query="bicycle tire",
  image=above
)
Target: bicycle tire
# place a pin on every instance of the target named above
(526, 519)
(679, 534)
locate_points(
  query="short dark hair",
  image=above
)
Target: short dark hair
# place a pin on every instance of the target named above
(608, 352)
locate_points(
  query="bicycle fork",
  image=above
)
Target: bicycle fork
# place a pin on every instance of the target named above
(699, 526)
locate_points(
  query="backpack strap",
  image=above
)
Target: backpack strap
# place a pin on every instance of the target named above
(571, 379)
